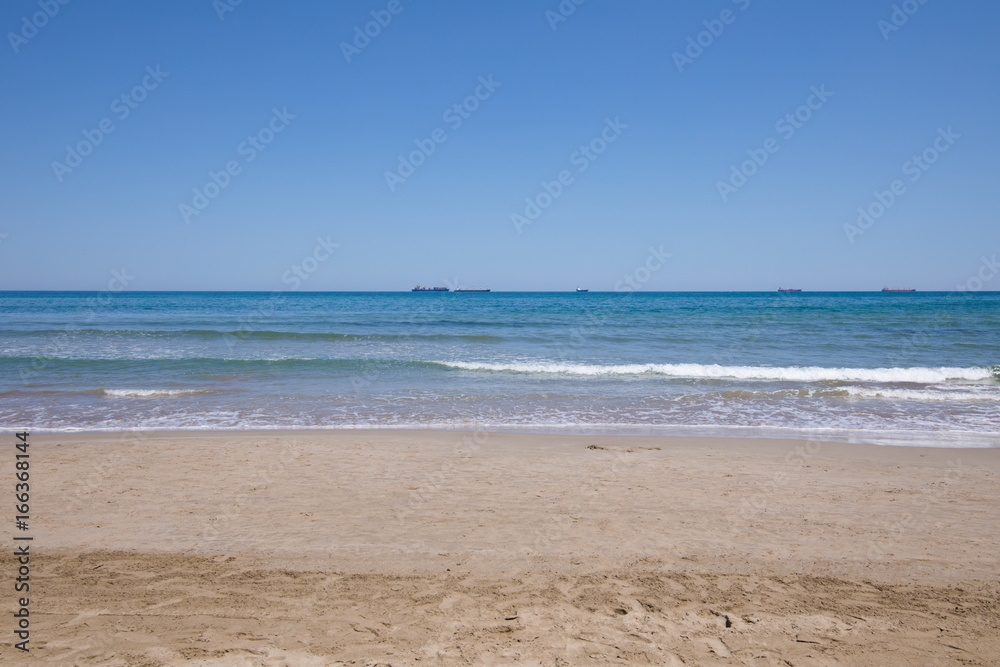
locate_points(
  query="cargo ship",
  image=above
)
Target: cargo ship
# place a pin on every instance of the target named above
(418, 288)
(580, 289)
(788, 289)
(472, 289)
(898, 289)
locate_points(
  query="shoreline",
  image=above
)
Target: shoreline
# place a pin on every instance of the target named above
(460, 547)
(903, 438)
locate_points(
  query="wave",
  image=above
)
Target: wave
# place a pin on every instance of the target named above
(149, 393)
(251, 334)
(818, 374)
(929, 394)
(702, 371)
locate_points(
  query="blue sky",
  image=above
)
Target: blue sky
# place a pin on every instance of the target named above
(554, 87)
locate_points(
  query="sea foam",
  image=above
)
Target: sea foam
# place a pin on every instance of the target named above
(149, 393)
(702, 371)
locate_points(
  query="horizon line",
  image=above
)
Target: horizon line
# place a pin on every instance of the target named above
(492, 291)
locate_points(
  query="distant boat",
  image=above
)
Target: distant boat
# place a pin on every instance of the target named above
(788, 289)
(418, 288)
(472, 289)
(898, 289)
(580, 289)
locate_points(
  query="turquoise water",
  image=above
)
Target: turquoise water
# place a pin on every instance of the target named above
(871, 367)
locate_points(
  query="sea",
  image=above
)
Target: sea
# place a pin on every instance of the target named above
(881, 368)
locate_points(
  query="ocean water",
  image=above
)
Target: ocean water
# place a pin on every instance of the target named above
(913, 368)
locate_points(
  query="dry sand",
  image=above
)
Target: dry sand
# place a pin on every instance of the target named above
(400, 548)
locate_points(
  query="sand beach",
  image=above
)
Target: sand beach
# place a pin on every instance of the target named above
(430, 547)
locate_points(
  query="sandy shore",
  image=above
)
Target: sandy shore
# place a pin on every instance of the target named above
(398, 548)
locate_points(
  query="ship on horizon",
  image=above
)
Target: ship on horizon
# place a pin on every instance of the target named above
(898, 289)
(581, 289)
(418, 288)
(788, 289)
(472, 289)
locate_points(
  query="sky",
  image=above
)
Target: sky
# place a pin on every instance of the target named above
(522, 145)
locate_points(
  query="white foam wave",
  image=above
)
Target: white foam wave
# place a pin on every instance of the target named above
(702, 371)
(146, 393)
(928, 394)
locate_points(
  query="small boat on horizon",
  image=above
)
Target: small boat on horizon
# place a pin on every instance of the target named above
(418, 288)
(788, 289)
(898, 289)
(472, 289)
(580, 289)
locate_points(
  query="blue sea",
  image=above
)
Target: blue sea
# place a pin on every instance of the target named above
(906, 368)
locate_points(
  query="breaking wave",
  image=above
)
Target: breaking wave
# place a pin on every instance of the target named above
(702, 371)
